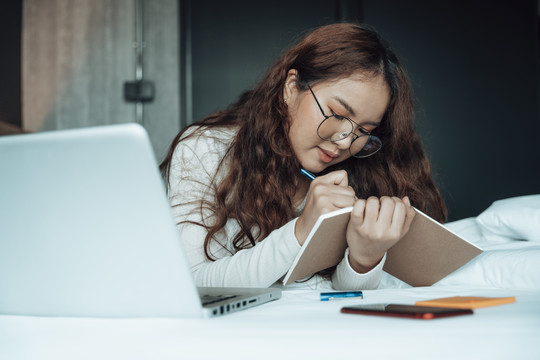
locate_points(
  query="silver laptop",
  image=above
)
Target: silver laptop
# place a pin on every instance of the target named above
(86, 230)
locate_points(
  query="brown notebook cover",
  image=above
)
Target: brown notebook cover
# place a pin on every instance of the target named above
(324, 246)
(425, 255)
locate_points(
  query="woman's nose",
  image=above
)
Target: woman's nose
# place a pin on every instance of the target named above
(345, 143)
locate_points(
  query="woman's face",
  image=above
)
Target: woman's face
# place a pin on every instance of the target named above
(363, 100)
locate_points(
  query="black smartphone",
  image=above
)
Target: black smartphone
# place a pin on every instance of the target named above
(406, 311)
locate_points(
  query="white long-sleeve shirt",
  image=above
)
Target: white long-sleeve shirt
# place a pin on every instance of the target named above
(194, 164)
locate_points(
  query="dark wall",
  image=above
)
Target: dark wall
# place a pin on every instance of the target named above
(234, 42)
(475, 70)
(10, 61)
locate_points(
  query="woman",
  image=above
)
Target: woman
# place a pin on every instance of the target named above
(337, 104)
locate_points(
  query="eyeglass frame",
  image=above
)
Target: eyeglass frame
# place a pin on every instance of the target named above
(352, 122)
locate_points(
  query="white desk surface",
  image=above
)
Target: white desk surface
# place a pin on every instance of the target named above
(298, 326)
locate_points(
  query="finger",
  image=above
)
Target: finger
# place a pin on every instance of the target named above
(371, 210)
(327, 198)
(358, 212)
(386, 211)
(399, 216)
(342, 200)
(338, 177)
(410, 214)
(407, 201)
(340, 190)
(324, 190)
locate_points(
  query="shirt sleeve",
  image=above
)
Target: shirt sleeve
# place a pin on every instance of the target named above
(191, 179)
(345, 278)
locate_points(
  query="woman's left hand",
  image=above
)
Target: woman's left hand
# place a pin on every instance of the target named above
(375, 226)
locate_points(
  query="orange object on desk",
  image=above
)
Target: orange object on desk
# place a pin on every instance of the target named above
(467, 302)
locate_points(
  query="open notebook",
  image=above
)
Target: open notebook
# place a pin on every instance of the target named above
(86, 230)
(426, 254)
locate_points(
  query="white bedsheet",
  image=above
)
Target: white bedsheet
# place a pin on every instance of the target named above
(298, 326)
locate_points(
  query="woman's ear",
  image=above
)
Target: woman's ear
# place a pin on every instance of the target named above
(290, 90)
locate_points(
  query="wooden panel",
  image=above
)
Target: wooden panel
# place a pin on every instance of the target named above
(161, 65)
(77, 55)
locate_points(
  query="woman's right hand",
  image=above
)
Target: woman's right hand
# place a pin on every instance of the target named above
(326, 193)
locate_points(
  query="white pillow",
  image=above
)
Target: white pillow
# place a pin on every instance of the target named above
(508, 269)
(516, 218)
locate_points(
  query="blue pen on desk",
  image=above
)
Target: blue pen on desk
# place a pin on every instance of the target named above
(307, 174)
(325, 296)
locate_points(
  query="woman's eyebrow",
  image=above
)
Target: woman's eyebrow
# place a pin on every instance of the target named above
(351, 111)
(345, 105)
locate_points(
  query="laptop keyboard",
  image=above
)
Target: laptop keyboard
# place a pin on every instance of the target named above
(212, 299)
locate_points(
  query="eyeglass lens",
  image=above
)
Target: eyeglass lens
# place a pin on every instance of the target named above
(336, 128)
(365, 145)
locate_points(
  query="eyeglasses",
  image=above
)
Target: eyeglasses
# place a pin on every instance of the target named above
(336, 128)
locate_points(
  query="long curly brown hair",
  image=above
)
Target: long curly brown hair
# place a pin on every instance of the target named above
(262, 173)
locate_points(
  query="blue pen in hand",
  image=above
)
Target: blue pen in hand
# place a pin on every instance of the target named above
(307, 174)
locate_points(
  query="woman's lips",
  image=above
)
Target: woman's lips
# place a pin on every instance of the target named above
(326, 156)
